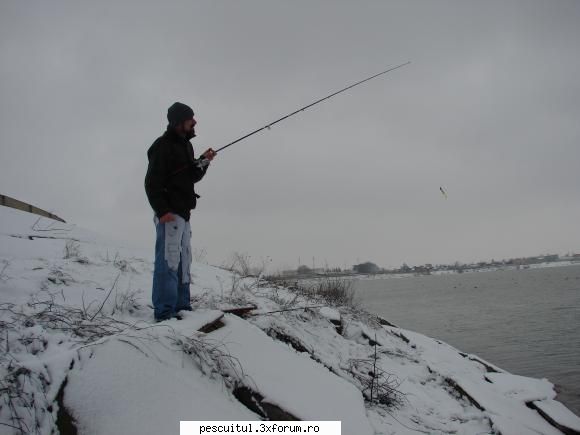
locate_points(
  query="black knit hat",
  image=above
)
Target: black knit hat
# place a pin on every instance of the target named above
(177, 113)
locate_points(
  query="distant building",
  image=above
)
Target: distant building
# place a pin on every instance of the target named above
(367, 267)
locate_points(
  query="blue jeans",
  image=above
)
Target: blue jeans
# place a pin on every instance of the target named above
(171, 271)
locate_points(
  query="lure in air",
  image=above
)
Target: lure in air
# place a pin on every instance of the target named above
(443, 192)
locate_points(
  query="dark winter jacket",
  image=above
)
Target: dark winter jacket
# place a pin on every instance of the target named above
(171, 175)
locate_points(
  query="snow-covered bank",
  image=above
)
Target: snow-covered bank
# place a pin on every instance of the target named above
(80, 352)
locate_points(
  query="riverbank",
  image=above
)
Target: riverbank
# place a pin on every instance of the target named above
(82, 353)
(525, 320)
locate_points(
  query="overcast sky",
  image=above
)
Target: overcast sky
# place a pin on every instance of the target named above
(489, 109)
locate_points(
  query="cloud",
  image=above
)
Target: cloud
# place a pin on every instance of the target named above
(488, 109)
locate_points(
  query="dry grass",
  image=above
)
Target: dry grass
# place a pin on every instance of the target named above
(334, 291)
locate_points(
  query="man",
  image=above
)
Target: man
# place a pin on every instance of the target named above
(171, 174)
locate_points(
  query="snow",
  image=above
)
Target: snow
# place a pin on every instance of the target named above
(559, 413)
(144, 388)
(506, 410)
(522, 388)
(77, 332)
(330, 313)
(293, 381)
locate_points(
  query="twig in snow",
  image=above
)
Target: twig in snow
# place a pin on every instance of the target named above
(377, 385)
(105, 300)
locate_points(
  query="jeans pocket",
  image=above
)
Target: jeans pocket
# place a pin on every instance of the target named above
(172, 244)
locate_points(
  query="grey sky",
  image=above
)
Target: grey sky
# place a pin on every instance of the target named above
(489, 109)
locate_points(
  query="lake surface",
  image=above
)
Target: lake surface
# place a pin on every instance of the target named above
(524, 321)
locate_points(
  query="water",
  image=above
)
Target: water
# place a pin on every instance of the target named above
(524, 321)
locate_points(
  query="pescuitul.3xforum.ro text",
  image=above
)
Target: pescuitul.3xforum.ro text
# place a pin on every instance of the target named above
(259, 428)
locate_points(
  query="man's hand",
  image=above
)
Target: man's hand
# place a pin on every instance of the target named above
(209, 154)
(167, 217)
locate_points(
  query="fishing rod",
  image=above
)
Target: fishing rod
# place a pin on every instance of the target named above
(267, 126)
(202, 162)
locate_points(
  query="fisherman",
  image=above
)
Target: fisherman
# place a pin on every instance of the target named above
(171, 174)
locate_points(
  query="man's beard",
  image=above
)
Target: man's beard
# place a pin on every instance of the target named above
(190, 134)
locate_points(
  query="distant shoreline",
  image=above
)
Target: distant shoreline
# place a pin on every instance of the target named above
(389, 275)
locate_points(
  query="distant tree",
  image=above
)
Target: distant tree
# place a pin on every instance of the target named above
(303, 270)
(405, 268)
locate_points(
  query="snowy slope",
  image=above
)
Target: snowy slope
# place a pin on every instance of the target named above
(315, 394)
(144, 387)
(80, 349)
